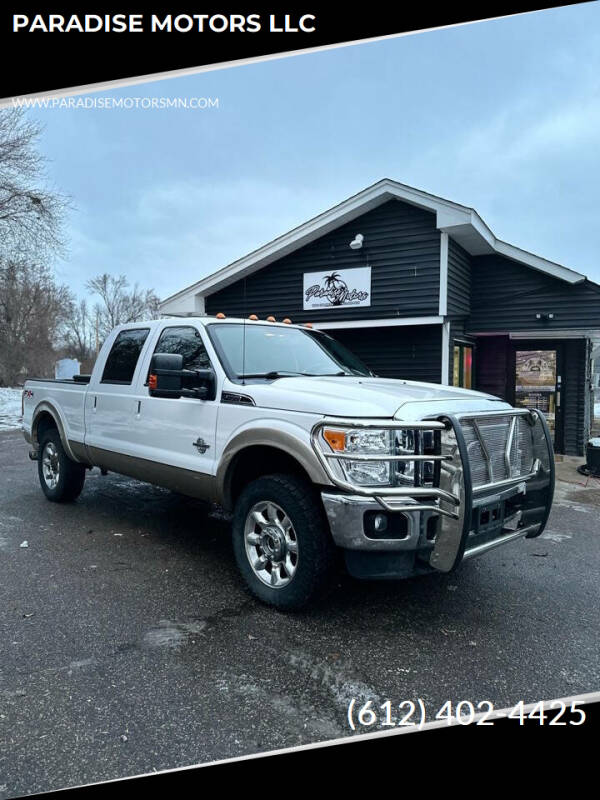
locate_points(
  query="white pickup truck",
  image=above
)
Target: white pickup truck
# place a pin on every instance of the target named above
(312, 453)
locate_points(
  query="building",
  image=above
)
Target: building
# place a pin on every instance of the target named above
(421, 289)
(66, 368)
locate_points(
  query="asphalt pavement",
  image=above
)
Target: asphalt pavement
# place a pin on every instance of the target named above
(128, 643)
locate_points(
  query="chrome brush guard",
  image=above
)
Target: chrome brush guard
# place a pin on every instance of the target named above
(506, 452)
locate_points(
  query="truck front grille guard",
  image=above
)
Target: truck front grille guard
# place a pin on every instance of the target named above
(452, 498)
(474, 425)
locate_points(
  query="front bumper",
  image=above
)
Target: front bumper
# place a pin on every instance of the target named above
(445, 524)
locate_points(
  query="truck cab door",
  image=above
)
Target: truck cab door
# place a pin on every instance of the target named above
(176, 432)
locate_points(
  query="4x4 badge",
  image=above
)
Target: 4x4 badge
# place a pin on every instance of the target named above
(201, 445)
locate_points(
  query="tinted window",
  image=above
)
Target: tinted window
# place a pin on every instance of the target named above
(185, 341)
(121, 361)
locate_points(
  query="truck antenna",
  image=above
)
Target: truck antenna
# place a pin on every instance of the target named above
(244, 338)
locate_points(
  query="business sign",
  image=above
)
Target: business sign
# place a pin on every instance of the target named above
(342, 288)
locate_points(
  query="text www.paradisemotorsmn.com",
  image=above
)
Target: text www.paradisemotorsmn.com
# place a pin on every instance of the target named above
(127, 103)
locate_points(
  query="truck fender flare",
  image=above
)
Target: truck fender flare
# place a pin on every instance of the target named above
(287, 441)
(46, 407)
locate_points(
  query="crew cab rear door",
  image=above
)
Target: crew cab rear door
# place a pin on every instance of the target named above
(110, 400)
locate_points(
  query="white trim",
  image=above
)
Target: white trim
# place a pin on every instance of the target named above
(550, 334)
(541, 334)
(445, 353)
(443, 274)
(377, 323)
(537, 262)
(461, 222)
(200, 306)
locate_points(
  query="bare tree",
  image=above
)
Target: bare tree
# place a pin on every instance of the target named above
(31, 215)
(79, 331)
(121, 304)
(32, 308)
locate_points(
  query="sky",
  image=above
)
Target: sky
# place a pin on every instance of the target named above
(502, 116)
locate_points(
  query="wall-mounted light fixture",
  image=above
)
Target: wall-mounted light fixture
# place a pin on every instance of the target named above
(357, 242)
(544, 316)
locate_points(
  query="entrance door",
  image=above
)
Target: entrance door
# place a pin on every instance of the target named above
(538, 384)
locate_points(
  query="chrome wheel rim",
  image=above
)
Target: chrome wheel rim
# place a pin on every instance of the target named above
(50, 465)
(271, 544)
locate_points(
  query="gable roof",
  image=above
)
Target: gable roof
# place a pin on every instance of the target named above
(461, 222)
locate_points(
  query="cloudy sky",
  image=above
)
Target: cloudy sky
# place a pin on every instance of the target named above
(503, 116)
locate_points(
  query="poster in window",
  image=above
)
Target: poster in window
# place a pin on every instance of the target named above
(535, 382)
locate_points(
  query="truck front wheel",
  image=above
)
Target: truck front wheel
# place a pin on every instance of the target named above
(61, 478)
(281, 541)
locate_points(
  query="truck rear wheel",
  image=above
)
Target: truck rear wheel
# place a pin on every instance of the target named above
(282, 542)
(61, 478)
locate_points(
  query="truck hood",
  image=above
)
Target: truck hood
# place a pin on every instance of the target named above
(367, 397)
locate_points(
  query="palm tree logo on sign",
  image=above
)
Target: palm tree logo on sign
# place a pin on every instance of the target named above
(337, 289)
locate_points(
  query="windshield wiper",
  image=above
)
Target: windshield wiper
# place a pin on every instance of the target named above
(290, 374)
(278, 374)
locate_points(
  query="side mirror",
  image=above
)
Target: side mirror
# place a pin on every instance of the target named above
(166, 375)
(168, 379)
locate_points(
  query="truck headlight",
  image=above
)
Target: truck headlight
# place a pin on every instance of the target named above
(384, 456)
(363, 442)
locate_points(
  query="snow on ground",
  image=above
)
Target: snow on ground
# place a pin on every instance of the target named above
(10, 409)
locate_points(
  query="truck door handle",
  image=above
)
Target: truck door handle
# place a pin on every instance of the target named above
(95, 401)
(139, 409)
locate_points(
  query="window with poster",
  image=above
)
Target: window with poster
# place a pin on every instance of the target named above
(537, 384)
(462, 365)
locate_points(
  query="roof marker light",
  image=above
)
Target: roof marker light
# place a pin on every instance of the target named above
(271, 319)
(287, 321)
(220, 315)
(253, 317)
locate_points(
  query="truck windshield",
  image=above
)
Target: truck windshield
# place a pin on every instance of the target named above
(271, 351)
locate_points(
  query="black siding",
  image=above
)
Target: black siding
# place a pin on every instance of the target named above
(402, 247)
(574, 397)
(459, 279)
(506, 297)
(411, 353)
(492, 367)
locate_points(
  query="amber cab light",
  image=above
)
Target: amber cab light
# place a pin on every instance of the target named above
(220, 315)
(253, 317)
